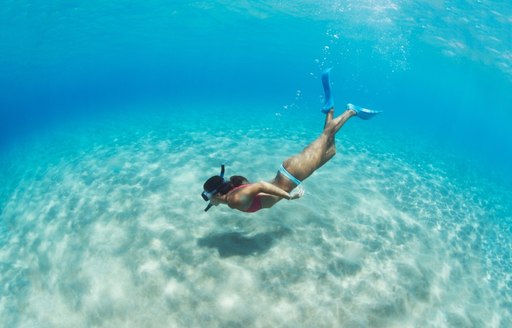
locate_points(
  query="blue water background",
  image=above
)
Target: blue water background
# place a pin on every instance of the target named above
(113, 71)
(440, 68)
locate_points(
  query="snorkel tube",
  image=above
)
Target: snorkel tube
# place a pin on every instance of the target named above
(208, 206)
(212, 186)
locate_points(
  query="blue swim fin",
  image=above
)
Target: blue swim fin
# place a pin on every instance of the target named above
(363, 113)
(329, 101)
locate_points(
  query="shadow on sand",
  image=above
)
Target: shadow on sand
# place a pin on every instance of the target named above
(239, 244)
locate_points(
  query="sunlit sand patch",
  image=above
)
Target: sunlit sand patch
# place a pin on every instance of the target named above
(119, 237)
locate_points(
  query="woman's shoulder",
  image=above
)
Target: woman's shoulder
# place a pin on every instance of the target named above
(242, 186)
(244, 190)
(239, 196)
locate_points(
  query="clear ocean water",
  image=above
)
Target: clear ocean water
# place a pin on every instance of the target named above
(113, 113)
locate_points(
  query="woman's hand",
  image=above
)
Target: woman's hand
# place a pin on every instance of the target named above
(297, 193)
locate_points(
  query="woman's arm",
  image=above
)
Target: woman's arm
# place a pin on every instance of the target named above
(270, 189)
(270, 193)
(246, 194)
(269, 200)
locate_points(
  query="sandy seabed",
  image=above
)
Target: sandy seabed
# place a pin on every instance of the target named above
(106, 229)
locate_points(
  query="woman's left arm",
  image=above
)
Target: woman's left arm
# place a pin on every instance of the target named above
(268, 188)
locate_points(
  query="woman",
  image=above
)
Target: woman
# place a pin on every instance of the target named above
(238, 193)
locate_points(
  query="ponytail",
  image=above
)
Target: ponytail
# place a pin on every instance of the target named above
(234, 181)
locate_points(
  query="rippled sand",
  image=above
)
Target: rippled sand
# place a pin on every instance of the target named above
(105, 227)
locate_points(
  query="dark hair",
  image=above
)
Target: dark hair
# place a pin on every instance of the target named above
(234, 181)
(213, 183)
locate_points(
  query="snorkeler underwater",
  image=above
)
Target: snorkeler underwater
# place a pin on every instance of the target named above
(238, 193)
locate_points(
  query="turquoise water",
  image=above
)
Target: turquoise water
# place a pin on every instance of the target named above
(113, 115)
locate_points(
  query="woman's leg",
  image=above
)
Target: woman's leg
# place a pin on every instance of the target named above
(336, 126)
(315, 154)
